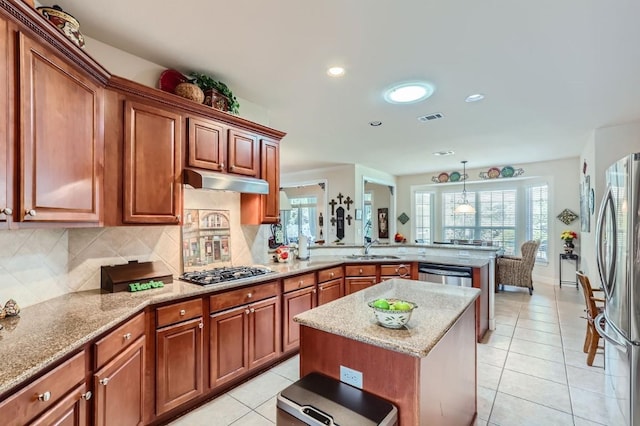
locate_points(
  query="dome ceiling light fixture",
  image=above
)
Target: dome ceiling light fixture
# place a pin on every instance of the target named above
(336, 71)
(407, 93)
(465, 207)
(474, 98)
(375, 123)
(443, 153)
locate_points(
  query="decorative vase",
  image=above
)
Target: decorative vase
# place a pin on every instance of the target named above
(568, 246)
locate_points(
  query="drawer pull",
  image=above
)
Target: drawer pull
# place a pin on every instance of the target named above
(246, 312)
(44, 397)
(361, 270)
(182, 312)
(252, 310)
(104, 381)
(86, 396)
(331, 275)
(313, 291)
(249, 295)
(127, 336)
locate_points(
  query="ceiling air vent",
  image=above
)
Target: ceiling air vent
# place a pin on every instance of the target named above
(431, 117)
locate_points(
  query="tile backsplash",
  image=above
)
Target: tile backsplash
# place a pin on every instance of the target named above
(40, 264)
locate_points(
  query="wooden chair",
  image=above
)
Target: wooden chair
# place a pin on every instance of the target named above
(592, 338)
(517, 270)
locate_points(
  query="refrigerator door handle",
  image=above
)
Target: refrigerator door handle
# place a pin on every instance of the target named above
(621, 346)
(605, 278)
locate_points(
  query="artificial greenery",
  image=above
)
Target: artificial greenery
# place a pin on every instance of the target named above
(206, 82)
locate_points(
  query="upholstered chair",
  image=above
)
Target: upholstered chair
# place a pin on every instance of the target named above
(516, 270)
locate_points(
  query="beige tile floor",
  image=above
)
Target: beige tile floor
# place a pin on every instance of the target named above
(531, 370)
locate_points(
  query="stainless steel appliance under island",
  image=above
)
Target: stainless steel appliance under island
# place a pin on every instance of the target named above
(427, 368)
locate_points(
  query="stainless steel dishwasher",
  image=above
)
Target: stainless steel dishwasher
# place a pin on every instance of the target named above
(446, 274)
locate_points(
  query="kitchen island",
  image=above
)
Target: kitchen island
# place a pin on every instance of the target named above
(427, 369)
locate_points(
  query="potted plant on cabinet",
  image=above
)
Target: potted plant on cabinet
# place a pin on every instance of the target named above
(216, 93)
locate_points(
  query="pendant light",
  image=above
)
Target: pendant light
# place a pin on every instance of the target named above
(465, 207)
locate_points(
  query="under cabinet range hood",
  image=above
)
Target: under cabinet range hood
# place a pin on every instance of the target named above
(202, 179)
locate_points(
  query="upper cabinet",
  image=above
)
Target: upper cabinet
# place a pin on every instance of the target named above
(51, 124)
(243, 153)
(257, 209)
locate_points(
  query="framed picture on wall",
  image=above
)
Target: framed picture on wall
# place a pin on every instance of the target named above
(383, 223)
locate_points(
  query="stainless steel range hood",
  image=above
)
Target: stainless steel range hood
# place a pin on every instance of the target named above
(202, 179)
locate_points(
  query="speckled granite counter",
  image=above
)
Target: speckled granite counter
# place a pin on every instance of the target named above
(438, 309)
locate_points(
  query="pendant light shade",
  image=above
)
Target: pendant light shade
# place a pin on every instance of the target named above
(465, 207)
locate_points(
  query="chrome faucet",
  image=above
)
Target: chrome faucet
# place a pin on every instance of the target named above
(367, 245)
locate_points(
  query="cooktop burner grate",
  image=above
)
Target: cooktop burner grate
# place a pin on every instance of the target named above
(220, 275)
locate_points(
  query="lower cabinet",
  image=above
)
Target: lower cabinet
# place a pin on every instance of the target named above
(179, 356)
(330, 285)
(399, 270)
(70, 411)
(295, 303)
(243, 338)
(359, 277)
(119, 388)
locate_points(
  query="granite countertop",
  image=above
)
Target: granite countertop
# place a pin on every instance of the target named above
(438, 309)
(47, 332)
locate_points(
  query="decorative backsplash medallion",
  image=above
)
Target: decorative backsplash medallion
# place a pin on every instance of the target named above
(205, 238)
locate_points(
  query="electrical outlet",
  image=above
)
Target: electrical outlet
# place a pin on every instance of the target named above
(350, 376)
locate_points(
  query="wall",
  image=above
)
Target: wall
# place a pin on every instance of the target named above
(562, 177)
(606, 145)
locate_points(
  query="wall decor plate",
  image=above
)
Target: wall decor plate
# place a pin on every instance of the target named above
(454, 176)
(507, 171)
(566, 216)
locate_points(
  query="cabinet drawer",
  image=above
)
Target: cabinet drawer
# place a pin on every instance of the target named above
(44, 393)
(360, 270)
(107, 347)
(177, 312)
(241, 296)
(330, 274)
(299, 281)
(399, 269)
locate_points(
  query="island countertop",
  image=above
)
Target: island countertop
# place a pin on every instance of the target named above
(439, 306)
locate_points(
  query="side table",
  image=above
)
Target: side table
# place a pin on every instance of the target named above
(568, 256)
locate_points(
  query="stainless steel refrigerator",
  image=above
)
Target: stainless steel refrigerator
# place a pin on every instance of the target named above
(618, 257)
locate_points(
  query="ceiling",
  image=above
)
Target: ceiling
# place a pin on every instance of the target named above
(552, 72)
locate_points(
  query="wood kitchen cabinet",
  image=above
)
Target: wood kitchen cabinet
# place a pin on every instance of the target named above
(330, 285)
(299, 295)
(179, 354)
(256, 208)
(207, 144)
(397, 270)
(152, 164)
(60, 136)
(119, 381)
(244, 331)
(7, 134)
(70, 411)
(359, 277)
(243, 153)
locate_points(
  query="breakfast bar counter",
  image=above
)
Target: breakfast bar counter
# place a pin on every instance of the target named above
(427, 368)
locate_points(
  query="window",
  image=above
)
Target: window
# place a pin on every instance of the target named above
(494, 220)
(538, 219)
(423, 216)
(300, 220)
(368, 225)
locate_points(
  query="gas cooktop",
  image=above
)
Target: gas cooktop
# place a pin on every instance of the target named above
(220, 275)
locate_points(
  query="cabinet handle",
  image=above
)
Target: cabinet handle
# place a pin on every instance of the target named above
(249, 295)
(7, 211)
(178, 218)
(44, 397)
(182, 312)
(30, 212)
(201, 325)
(246, 312)
(127, 336)
(313, 291)
(301, 283)
(360, 270)
(221, 166)
(86, 396)
(405, 271)
(252, 310)
(331, 274)
(104, 381)
(231, 167)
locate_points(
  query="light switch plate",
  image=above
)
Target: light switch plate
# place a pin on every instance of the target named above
(351, 377)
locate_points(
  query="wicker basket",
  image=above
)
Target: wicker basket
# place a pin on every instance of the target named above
(190, 91)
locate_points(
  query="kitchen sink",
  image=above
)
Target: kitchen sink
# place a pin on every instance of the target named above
(371, 257)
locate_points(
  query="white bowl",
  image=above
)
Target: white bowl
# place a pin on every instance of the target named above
(392, 318)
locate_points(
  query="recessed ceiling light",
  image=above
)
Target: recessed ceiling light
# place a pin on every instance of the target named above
(335, 71)
(474, 98)
(443, 153)
(406, 93)
(375, 123)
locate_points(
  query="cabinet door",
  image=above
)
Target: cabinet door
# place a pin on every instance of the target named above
(264, 332)
(152, 165)
(61, 139)
(330, 290)
(243, 153)
(119, 388)
(259, 209)
(207, 144)
(179, 359)
(70, 411)
(353, 284)
(229, 340)
(295, 303)
(6, 127)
